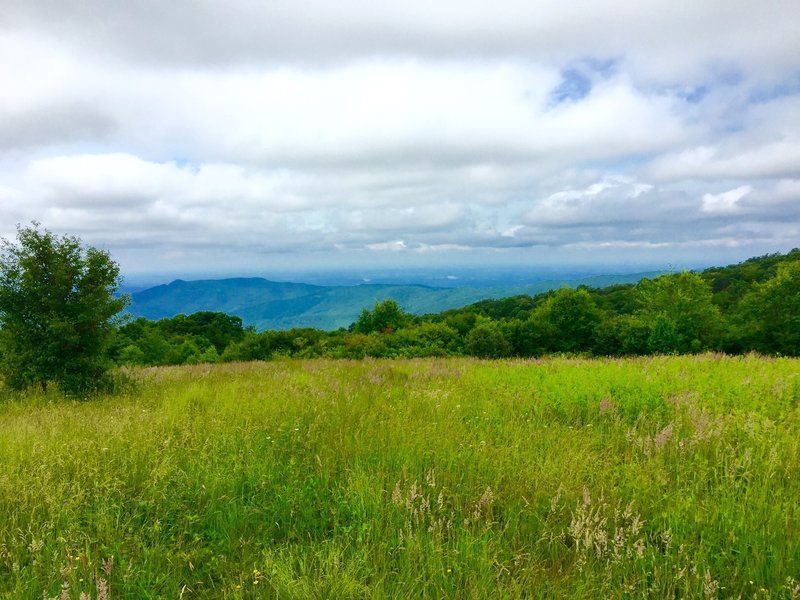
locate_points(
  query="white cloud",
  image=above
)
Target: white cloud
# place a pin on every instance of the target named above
(398, 110)
(726, 202)
(611, 200)
(777, 158)
(393, 246)
(428, 248)
(660, 37)
(412, 219)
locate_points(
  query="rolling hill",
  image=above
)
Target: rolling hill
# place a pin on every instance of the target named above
(267, 304)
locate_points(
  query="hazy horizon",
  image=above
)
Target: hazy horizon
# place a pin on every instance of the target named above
(430, 276)
(451, 275)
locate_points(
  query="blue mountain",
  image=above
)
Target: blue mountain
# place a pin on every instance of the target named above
(267, 304)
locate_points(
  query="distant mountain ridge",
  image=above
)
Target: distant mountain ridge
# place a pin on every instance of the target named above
(267, 304)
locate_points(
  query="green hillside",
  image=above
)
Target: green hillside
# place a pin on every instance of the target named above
(268, 304)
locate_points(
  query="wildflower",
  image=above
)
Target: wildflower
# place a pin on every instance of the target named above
(102, 589)
(430, 478)
(663, 436)
(607, 406)
(108, 565)
(710, 586)
(397, 495)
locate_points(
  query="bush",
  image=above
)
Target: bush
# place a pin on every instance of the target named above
(57, 305)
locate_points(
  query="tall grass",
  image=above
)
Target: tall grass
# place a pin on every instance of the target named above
(646, 478)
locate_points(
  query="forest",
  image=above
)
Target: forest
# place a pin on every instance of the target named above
(753, 306)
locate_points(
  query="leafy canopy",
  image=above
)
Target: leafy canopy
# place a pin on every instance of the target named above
(385, 317)
(57, 305)
(567, 320)
(771, 312)
(680, 313)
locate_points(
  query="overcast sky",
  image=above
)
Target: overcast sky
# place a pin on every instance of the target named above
(250, 136)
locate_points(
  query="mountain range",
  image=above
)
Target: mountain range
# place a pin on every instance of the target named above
(266, 304)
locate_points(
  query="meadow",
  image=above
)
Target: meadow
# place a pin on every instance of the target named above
(657, 477)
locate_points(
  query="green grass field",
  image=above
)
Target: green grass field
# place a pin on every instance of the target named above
(558, 478)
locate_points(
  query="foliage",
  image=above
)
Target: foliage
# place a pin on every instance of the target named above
(487, 341)
(665, 477)
(200, 337)
(568, 320)
(385, 317)
(664, 337)
(680, 306)
(732, 283)
(771, 312)
(57, 305)
(672, 314)
(218, 328)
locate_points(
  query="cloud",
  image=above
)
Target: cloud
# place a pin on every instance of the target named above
(611, 200)
(726, 202)
(393, 246)
(660, 36)
(622, 213)
(183, 211)
(409, 220)
(778, 158)
(185, 130)
(398, 111)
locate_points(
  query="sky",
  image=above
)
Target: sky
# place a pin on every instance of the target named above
(244, 136)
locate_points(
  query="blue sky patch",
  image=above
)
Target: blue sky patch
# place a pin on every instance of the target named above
(577, 80)
(574, 86)
(787, 87)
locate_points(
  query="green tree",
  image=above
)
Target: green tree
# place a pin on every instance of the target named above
(216, 327)
(57, 305)
(462, 322)
(568, 320)
(131, 355)
(487, 341)
(254, 346)
(528, 338)
(682, 302)
(771, 312)
(663, 338)
(385, 317)
(425, 339)
(622, 334)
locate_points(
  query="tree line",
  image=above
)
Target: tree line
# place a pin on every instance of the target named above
(61, 323)
(751, 306)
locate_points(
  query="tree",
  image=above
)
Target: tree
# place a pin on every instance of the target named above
(57, 305)
(771, 312)
(679, 312)
(624, 334)
(528, 337)
(425, 339)
(486, 340)
(663, 338)
(568, 320)
(385, 317)
(216, 327)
